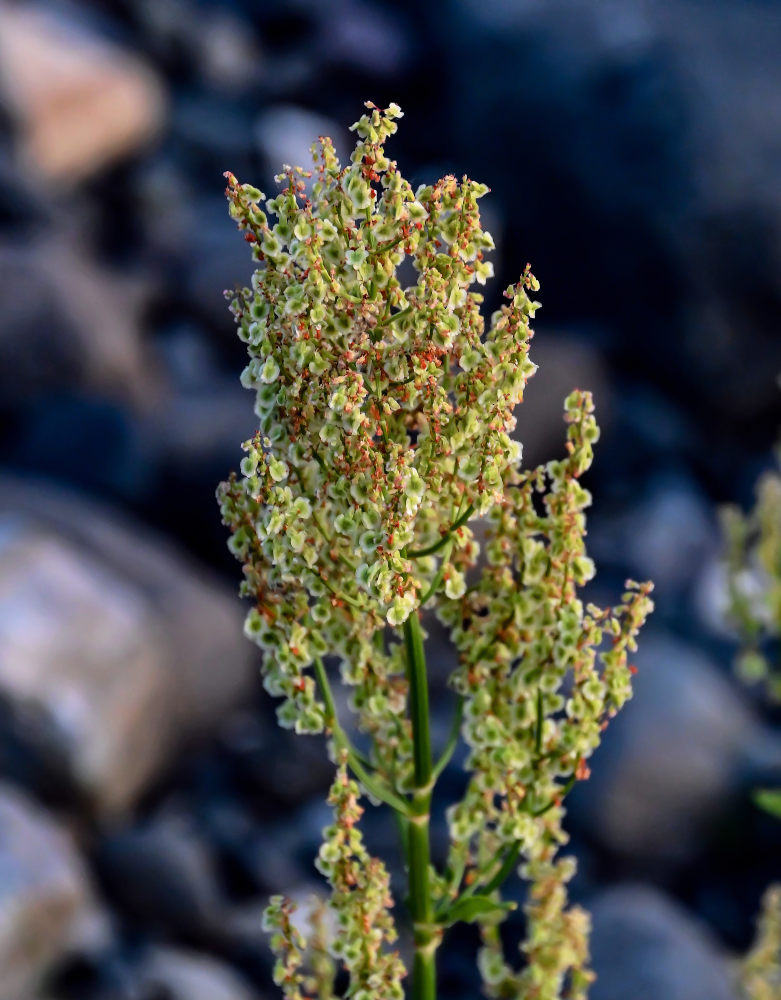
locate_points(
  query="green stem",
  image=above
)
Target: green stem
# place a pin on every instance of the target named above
(436, 546)
(373, 783)
(436, 582)
(427, 935)
(479, 885)
(452, 740)
(386, 247)
(392, 319)
(562, 794)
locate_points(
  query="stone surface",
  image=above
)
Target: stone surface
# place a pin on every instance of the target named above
(124, 644)
(68, 324)
(565, 362)
(161, 876)
(184, 975)
(674, 757)
(44, 894)
(656, 163)
(646, 947)
(284, 133)
(80, 103)
(667, 536)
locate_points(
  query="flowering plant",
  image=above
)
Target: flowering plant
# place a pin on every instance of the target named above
(384, 481)
(754, 580)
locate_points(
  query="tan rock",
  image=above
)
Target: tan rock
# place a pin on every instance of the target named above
(44, 894)
(80, 102)
(70, 322)
(565, 362)
(126, 646)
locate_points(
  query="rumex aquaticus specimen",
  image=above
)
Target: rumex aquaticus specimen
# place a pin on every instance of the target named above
(753, 572)
(753, 566)
(385, 419)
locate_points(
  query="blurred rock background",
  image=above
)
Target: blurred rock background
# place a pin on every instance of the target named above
(148, 804)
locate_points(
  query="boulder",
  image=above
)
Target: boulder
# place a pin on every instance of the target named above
(69, 325)
(160, 875)
(184, 975)
(126, 646)
(674, 759)
(44, 894)
(80, 103)
(645, 946)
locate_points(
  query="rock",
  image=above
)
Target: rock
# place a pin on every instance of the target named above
(667, 537)
(83, 644)
(68, 324)
(674, 758)
(285, 132)
(80, 103)
(185, 975)
(160, 875)
(646, 947)
(653, 158)
(565, 362)
(302, 768)
(226, 50)
(33, 753)
(711, 599)
(365, 38)
(127, 647)
(217, 259)
(44, 894)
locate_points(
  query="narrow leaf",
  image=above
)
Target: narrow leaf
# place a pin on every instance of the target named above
(473, 908)
(769, 799)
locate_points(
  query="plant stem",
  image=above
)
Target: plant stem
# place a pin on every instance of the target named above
(426, 933)
(373, 783)
(436, 546)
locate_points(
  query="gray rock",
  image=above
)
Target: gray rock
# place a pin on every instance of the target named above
(44, 894)
(658, 124)
(711, 598)
(646, 947)
(227, 51)
(188, 976)
(127, 646)
(565, 362)
(161, 876)
(285, 132)
(69, 324)
(673, 758)
(666, 537)
(364, 37)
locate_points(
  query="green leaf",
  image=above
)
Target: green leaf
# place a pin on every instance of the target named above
(769, 799)
(472, 908)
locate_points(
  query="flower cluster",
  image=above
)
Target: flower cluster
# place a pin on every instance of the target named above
(383, 480)
(360, 903)
(754, 575)
(385, 410)
(541, 675)
(556, 946)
